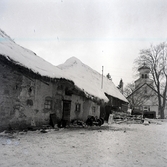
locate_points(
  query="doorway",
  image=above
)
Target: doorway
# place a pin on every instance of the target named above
(66, 110)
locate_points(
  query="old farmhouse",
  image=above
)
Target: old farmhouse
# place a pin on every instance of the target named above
(33, 90)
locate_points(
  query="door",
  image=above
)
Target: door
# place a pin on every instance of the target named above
(66, 110)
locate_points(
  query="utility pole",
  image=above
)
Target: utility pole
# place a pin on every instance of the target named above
(102, 79)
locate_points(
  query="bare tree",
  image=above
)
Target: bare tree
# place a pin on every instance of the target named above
(135, 97)
(156, 58)
(129, 88)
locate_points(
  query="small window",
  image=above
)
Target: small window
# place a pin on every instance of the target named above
(48, 103)
(93, 109)
(145, 90)
(68, 92)
(145, 108)
(77, 107)
(29, 102)
(31, 91)
(60, 87)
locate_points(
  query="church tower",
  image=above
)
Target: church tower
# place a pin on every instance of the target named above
(144, 76)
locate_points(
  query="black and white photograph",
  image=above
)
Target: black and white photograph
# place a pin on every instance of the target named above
(83, 83)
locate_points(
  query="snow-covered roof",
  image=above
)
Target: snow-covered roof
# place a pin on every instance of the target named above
(73, 69)
(26, 58)
(90, 80)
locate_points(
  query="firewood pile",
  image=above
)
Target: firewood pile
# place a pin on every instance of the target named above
(122, 117)
(91, 121)
(94, 121)
(77, 123)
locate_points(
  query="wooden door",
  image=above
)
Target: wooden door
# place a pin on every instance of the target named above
(66, 110)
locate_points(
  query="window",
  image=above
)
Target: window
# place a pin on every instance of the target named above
(68, 92)
(78, 107)
(48, 103)
(144, 76)
(145, 90)
(31, 91)
(146, 108)
(93, 109)
(29, 102)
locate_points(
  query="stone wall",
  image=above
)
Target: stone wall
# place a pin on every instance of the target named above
(25, 101)
(10, 88)
(91, 109)
(22, 99)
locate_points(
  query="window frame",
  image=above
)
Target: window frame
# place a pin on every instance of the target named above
(48, 103)
(77, 107)
(93, 109)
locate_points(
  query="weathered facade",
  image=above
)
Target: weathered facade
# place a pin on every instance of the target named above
(28, 99)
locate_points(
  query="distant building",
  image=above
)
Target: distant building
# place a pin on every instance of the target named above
(144, 100)
(144, 72)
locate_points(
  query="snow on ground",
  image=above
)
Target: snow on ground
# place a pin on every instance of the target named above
(116, 145)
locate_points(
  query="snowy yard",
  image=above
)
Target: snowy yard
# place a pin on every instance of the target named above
(117, 145)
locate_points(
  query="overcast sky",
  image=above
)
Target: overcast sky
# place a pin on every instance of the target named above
(107, 33)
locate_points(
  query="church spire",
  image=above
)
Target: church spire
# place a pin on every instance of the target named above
(144, 71)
